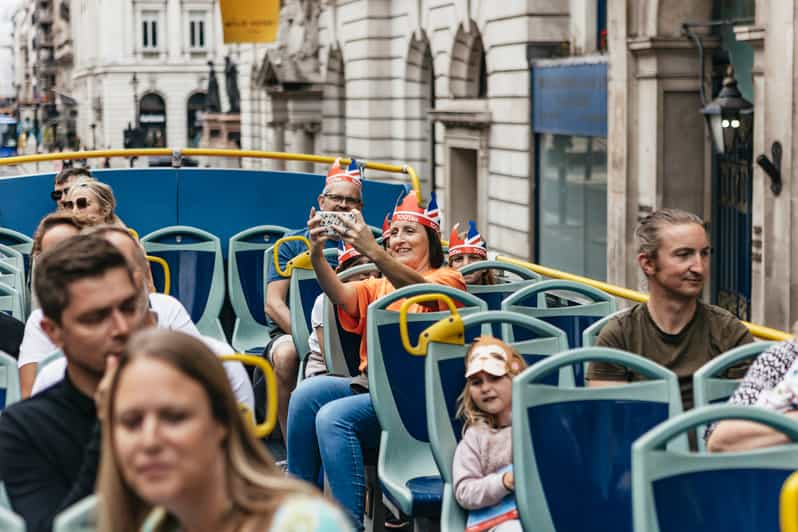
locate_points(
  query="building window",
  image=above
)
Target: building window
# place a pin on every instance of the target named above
(572, 219)
(149, 30)
(196, 30)
(569, 119)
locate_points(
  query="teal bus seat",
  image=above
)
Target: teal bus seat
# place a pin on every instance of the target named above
(197, 269)
(584, 305)
(11, 302)
(684, 492)
(341, 347)
(572, 446)
(303, 289)
(591, 333)
(9, 521)
(445, 381)
(9, 381)
(246, 284)
(12, 256)
(406, 467)
(494, 294)
(15, 278)
(4, 502)
(19, 242)
(709, 384)
(80, 517)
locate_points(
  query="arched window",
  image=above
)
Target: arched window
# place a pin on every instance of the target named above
(152, 117)
(468, 74)
(194, 108)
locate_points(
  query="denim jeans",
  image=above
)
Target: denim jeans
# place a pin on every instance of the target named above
(328, 426)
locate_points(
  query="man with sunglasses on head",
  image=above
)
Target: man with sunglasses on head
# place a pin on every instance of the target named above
(342, 193)
(64, 180)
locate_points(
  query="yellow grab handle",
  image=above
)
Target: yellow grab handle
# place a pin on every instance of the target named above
(448, 330)
(788, 504)
(134, 233)
(167, 273)
(265, 428)
(289, 267)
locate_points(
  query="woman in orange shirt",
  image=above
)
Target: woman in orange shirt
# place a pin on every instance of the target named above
(330, 421)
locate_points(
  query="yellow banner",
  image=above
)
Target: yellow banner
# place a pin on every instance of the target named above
(250, 21)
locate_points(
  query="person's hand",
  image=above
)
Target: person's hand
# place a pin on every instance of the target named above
(103, 389)
(317, 234)
(508, 480)
(358, 234)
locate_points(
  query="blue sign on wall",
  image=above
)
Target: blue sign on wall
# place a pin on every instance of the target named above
(570, 99)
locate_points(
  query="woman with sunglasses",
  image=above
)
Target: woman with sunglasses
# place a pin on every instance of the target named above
(92, 202)
(65, 179)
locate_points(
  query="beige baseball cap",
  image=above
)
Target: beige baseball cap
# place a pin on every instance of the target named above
(488, 355)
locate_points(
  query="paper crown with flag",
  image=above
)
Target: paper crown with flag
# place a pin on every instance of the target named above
(410, 211)
(472, 243)
(346, 252)
(351, 174)
(386, 226)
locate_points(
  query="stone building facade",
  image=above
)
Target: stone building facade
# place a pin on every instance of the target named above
(442, 85)
(143, 61)
(660, 152)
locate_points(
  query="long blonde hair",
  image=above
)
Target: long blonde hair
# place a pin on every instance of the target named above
(255, 485)
(104, 196)
(466, 409)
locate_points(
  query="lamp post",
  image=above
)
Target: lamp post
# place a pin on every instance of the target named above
(93, 127)
(134, 82)
(730, 117)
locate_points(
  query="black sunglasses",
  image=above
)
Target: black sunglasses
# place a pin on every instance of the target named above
(58, 194)
(80, 203)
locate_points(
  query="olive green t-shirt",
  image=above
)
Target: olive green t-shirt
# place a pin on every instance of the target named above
(712, 331)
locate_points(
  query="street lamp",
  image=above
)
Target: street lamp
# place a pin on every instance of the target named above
(730, 116)
(134, 82)
(93, 127)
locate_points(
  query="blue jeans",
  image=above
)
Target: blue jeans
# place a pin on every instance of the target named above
(328, 426)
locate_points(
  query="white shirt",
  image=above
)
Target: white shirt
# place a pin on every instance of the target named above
(36, 344)
(53, 372)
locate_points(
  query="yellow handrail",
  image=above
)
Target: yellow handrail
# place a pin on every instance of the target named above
(265, 428)
(167, 273)
(449, 330)
(760, 331)
(788, 504)
(207, 152)
(296, 262)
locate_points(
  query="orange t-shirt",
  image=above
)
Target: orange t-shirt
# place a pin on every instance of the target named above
(370, 290)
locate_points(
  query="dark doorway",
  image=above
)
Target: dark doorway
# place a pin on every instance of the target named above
(152, 117)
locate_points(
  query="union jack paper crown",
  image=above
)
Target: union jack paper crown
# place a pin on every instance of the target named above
(346, 252)
(336, 174)
(472, 243)
(386, 226)
(410, 211)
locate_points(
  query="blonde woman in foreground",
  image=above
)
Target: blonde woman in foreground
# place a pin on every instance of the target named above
(186, 453)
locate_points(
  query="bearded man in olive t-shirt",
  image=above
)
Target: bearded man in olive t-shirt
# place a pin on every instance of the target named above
(674, 328)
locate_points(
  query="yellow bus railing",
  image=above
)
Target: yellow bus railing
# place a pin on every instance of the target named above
(265, 428)
(788, 504)
(207, 152)
(301, 260)
(167, 273)
(449, 330)
(760, 331)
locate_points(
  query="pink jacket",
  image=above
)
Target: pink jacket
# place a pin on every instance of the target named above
(482, 451)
